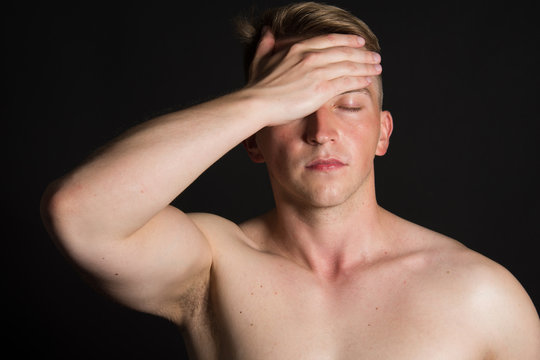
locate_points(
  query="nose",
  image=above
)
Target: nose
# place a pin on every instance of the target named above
(321, 127)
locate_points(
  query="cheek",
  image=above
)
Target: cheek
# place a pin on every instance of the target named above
(364, 137)
(276, 141)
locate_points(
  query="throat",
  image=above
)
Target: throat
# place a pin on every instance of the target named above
(328, 249)
(328, 267)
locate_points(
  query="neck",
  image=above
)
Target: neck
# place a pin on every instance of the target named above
(330, 240)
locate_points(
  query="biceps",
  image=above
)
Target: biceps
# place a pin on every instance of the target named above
(152, 269)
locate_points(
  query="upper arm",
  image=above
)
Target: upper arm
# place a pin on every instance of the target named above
(153, 268)
(503, 307)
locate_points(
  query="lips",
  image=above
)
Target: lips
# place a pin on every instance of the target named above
(325, 164)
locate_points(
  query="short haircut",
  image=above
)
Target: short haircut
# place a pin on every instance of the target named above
(303, 20)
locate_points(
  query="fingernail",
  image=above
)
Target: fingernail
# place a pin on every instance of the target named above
(376, 57)
(361, 40)
(378, 67)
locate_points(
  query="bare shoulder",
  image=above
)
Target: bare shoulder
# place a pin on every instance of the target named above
(221, 231)
(212, 225)
(501, 306)
(497, 304)
(485, 293)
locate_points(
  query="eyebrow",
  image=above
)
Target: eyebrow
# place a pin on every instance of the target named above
(362, 90)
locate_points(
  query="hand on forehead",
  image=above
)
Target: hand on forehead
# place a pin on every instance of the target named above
(323, 51)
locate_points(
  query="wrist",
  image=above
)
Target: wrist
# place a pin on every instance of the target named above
(264, 109)
(250, 103)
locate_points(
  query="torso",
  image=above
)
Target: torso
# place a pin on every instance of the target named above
(406, 306)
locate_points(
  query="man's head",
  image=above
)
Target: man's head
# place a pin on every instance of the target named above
(324, 157)
(302, 21)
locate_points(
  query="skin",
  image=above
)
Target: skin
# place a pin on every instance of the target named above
(327, 274)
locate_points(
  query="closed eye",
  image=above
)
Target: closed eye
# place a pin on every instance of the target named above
(350, 108)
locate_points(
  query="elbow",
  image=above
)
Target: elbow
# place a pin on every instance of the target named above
(57, 210)
(49, 205)
(60, 210)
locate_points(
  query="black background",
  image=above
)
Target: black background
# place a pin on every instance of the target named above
(461, 80)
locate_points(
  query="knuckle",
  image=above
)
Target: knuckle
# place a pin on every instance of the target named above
(363, 81)
(332, 38)
(352, 82)
(351, 67)
(323, 87)
(317, 73)
(348, 51)
(347, 81)
(310, 57)
(296, 47)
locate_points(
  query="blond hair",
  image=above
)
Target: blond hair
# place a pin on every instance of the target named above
(303, 20)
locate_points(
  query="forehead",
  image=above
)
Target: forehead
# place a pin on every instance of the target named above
(368, 93)
(362, 91)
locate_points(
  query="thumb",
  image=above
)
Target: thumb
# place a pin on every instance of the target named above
(265, 47)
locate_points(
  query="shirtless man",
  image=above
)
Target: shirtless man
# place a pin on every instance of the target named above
(327, 274)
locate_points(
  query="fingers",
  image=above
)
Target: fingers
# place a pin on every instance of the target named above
(343, 84)
(339, 59)
(332, 40)
(338, 78)
(329, 63)
(301, 76)
(342, 66)
(341, 53)
(312, 53)
(347, 68)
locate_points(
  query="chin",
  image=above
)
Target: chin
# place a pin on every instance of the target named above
(316, 192)
(328, 196)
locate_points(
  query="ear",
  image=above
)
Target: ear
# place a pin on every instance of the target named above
(250, 144)
(387, 125)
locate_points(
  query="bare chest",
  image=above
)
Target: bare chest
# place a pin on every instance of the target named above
(280, 311)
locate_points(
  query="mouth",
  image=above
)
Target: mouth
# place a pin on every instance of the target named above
(325, 164)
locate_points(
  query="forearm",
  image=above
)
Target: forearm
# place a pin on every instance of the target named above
(122, 187)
